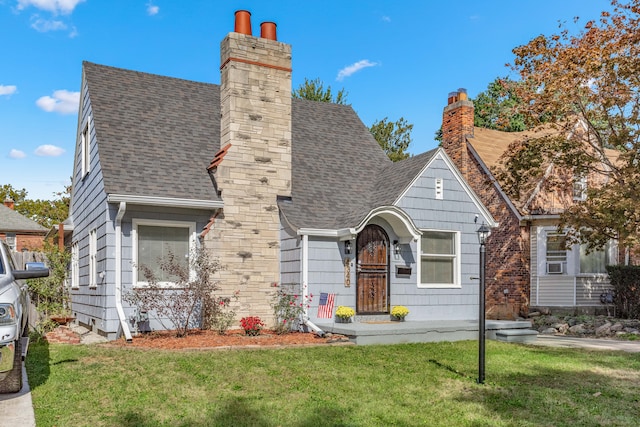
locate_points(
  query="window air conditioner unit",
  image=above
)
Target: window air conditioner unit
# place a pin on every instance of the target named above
(555, 267)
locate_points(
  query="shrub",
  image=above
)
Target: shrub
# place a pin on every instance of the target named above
(288, 308)
(252, 325)
(181, 302)
(625, 280)
(218, 314)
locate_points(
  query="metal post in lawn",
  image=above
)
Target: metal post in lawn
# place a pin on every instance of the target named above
(483, 233)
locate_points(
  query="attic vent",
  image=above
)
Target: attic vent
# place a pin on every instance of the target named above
(439, 189)
(218, 157)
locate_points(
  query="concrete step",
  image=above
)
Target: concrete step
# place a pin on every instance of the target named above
(517, 335)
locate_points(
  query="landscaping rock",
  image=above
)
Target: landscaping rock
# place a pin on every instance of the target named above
(562, 328)
(578, 329)
(617, 327)
(549, 331)
(603, 330)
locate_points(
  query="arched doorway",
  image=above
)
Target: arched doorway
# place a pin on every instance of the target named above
(372, 274)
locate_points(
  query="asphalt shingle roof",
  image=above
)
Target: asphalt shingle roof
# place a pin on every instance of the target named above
(157, 136)
(12, 221)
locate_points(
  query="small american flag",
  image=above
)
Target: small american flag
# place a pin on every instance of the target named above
(325, 307)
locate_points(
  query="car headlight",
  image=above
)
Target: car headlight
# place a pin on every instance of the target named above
(7, 314)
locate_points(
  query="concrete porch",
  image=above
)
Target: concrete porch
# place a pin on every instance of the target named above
(364, 332)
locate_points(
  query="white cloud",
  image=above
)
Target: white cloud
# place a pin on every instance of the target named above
(17, 154)
(48, 150)
(63, 102)
(350, 69)
(386, 18)
(63, 7)
(152, 9)
(8, 90)
(46, 25)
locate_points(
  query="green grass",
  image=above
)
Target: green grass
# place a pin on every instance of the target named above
(430, 384)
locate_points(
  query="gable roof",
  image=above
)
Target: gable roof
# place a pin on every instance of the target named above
(157, 136)
(12, 221)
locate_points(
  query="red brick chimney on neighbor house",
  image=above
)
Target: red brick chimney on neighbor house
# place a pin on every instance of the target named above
(8, 202)
(457, 125)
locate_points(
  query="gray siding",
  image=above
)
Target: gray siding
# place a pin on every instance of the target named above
(455, 212)
(290, 256)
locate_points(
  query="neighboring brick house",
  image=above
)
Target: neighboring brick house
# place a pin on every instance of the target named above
(20, 232)
(527, 264)
(282, 191)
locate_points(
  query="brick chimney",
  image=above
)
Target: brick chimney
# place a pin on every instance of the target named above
(8, 202)
(457, 126)
(255, 97)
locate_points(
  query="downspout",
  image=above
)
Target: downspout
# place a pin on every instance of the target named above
(118, 294)
(305, 287)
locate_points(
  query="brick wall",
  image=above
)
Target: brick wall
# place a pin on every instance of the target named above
(508, 251)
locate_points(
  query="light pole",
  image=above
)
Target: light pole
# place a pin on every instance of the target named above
(483, 233)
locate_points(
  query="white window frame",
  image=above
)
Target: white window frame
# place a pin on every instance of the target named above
(93, 261)
(439, 188)
(85, 149)
(159, 223)
(75, 266)
(561, 258)
(580, 189)
(456, 257)
(571, 263)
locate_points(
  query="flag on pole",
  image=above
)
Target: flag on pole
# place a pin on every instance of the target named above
(325, 307)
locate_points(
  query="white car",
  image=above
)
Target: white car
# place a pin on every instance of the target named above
(14, 322)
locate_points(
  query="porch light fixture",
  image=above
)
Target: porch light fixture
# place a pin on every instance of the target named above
(483, 234)
(396, 247)
(347, 247)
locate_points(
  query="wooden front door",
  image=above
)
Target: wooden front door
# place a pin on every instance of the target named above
(372, 274)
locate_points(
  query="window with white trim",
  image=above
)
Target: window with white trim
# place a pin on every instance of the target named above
(556, 254)
(75, 266)
(580, 189)
(85, 149)
(93, 255)
(439, 258)
(595, 261)
(155, 240)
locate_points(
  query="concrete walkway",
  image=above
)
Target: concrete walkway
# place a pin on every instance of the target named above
(16, 409)
(587, 343)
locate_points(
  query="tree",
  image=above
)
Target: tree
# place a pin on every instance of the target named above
(394, 138)
(314, 90)
(591, 78)
(498, 107)
(45, 212)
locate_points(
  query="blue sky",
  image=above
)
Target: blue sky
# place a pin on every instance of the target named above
(394, 58)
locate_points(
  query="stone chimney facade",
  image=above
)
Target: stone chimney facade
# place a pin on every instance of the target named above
(457, 125)
(255, 96)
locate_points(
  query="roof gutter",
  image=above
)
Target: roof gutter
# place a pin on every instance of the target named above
(118, 293)
(165, 201)
(342, 233)
(525, 218)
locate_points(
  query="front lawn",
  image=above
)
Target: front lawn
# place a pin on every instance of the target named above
(429, 384)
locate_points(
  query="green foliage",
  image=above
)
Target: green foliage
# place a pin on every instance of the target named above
(625, 280)
(218, 313)
(288, 308)
(498, 107)
(182, 301)
(45, 212)
(394, 138)
(314, 90)
(51, 294)
(585, 86)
